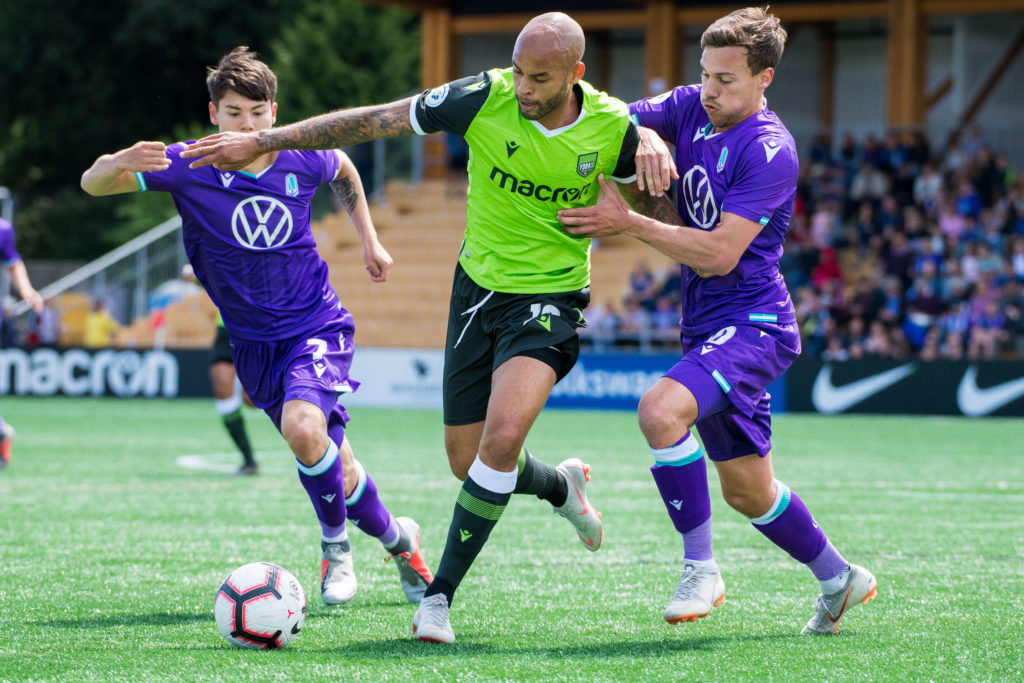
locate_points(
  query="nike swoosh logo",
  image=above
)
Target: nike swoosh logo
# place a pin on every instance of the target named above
(770, 151)
(975, 401)
(295, 629)
(828, 398)
(842, 607)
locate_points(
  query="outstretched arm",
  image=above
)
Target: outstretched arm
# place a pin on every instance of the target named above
(343, 128)
(19, 277)
(115, 173)
(707, 252)
(348, 188)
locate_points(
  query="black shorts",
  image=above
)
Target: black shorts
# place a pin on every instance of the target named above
(487, 328)
(220, 352)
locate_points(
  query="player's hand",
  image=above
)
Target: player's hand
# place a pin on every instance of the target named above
(609, 216)
(378, 261)
(228, 151)
(143, 157)
(655, 167)
(33, 299)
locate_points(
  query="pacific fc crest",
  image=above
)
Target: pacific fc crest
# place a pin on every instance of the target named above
(586, 163)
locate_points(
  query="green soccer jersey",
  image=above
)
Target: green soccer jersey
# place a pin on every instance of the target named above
(521, 174)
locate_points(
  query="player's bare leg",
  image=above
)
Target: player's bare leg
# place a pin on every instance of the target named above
(304, 427)
(667, 412)
(749, 486)
(519, 389)
(228, 397)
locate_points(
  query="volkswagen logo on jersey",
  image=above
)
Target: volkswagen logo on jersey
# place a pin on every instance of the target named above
(291, 185)
(699, 198)
(261, 223)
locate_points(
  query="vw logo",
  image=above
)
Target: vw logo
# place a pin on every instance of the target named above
(261, 223)
(699, 198)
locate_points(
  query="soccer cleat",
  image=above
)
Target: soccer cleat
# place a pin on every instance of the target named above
(337, 577)
(576, 508)
(699, 589)
(430, 623)
(6, 437)
(861, 586)
(412, 569)
(248, 470)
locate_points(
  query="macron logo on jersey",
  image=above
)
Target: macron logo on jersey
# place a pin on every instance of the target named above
(528, 188)
(226, 179)
(261, 223)
(771, 149)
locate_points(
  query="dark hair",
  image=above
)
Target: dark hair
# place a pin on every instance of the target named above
(241, 71)
(753, 28)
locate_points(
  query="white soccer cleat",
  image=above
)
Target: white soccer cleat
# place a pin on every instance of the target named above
(337, 576)
(430, 623)
(700, 588)
(861, 586)
(577, 509)
(412, 569)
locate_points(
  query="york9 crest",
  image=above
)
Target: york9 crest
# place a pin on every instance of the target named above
(699, 198)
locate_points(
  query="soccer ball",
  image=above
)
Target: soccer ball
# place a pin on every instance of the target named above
(261, 606)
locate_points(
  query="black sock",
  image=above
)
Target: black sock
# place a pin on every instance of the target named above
(477, 510)
(235, 424)
(540, 479)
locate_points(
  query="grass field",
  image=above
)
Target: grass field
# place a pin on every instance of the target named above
(111, 552)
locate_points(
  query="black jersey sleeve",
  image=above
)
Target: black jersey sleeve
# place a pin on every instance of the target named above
(452, 106)
(625, 169)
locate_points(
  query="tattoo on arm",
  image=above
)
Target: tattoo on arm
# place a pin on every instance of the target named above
(658, 208)
(341, 128)
(345, 191)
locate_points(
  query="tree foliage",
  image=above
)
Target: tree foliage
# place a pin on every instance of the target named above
(81, 79)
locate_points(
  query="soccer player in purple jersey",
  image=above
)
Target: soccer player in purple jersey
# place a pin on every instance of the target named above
(738, 167)
(15, 267)
(248, 238)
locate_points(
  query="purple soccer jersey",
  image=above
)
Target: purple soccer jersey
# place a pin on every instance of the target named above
(749, 170)
(8, 251)
(249, 240)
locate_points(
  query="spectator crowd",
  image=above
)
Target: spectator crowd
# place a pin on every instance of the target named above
(894, 251)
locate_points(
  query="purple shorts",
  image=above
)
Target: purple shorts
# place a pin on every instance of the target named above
(728, 372)
(312, 367)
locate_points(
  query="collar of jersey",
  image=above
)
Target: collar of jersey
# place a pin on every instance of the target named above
(557, 131)
(256, 176)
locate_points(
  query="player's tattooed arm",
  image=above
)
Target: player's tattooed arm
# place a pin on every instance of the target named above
(341, 128)
(348, 188)
(232, 151)
(345, 191)
(659, 208)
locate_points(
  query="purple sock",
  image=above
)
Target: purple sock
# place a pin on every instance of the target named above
(789, 525)
(368, 513)
(324, 482)
(681, 475)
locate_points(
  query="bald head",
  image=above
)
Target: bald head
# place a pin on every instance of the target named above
(553, 35)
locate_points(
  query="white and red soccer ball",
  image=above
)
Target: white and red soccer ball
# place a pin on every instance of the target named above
(261, 606)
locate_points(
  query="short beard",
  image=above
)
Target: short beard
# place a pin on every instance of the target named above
(547, 107)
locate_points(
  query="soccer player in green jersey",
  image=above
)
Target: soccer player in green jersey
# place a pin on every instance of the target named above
(539, 137)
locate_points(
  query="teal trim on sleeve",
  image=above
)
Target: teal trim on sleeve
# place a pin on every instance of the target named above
(141, 181)
(726, 387)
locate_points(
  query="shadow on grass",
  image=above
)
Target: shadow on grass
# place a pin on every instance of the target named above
(115, 620)
(613, 650)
